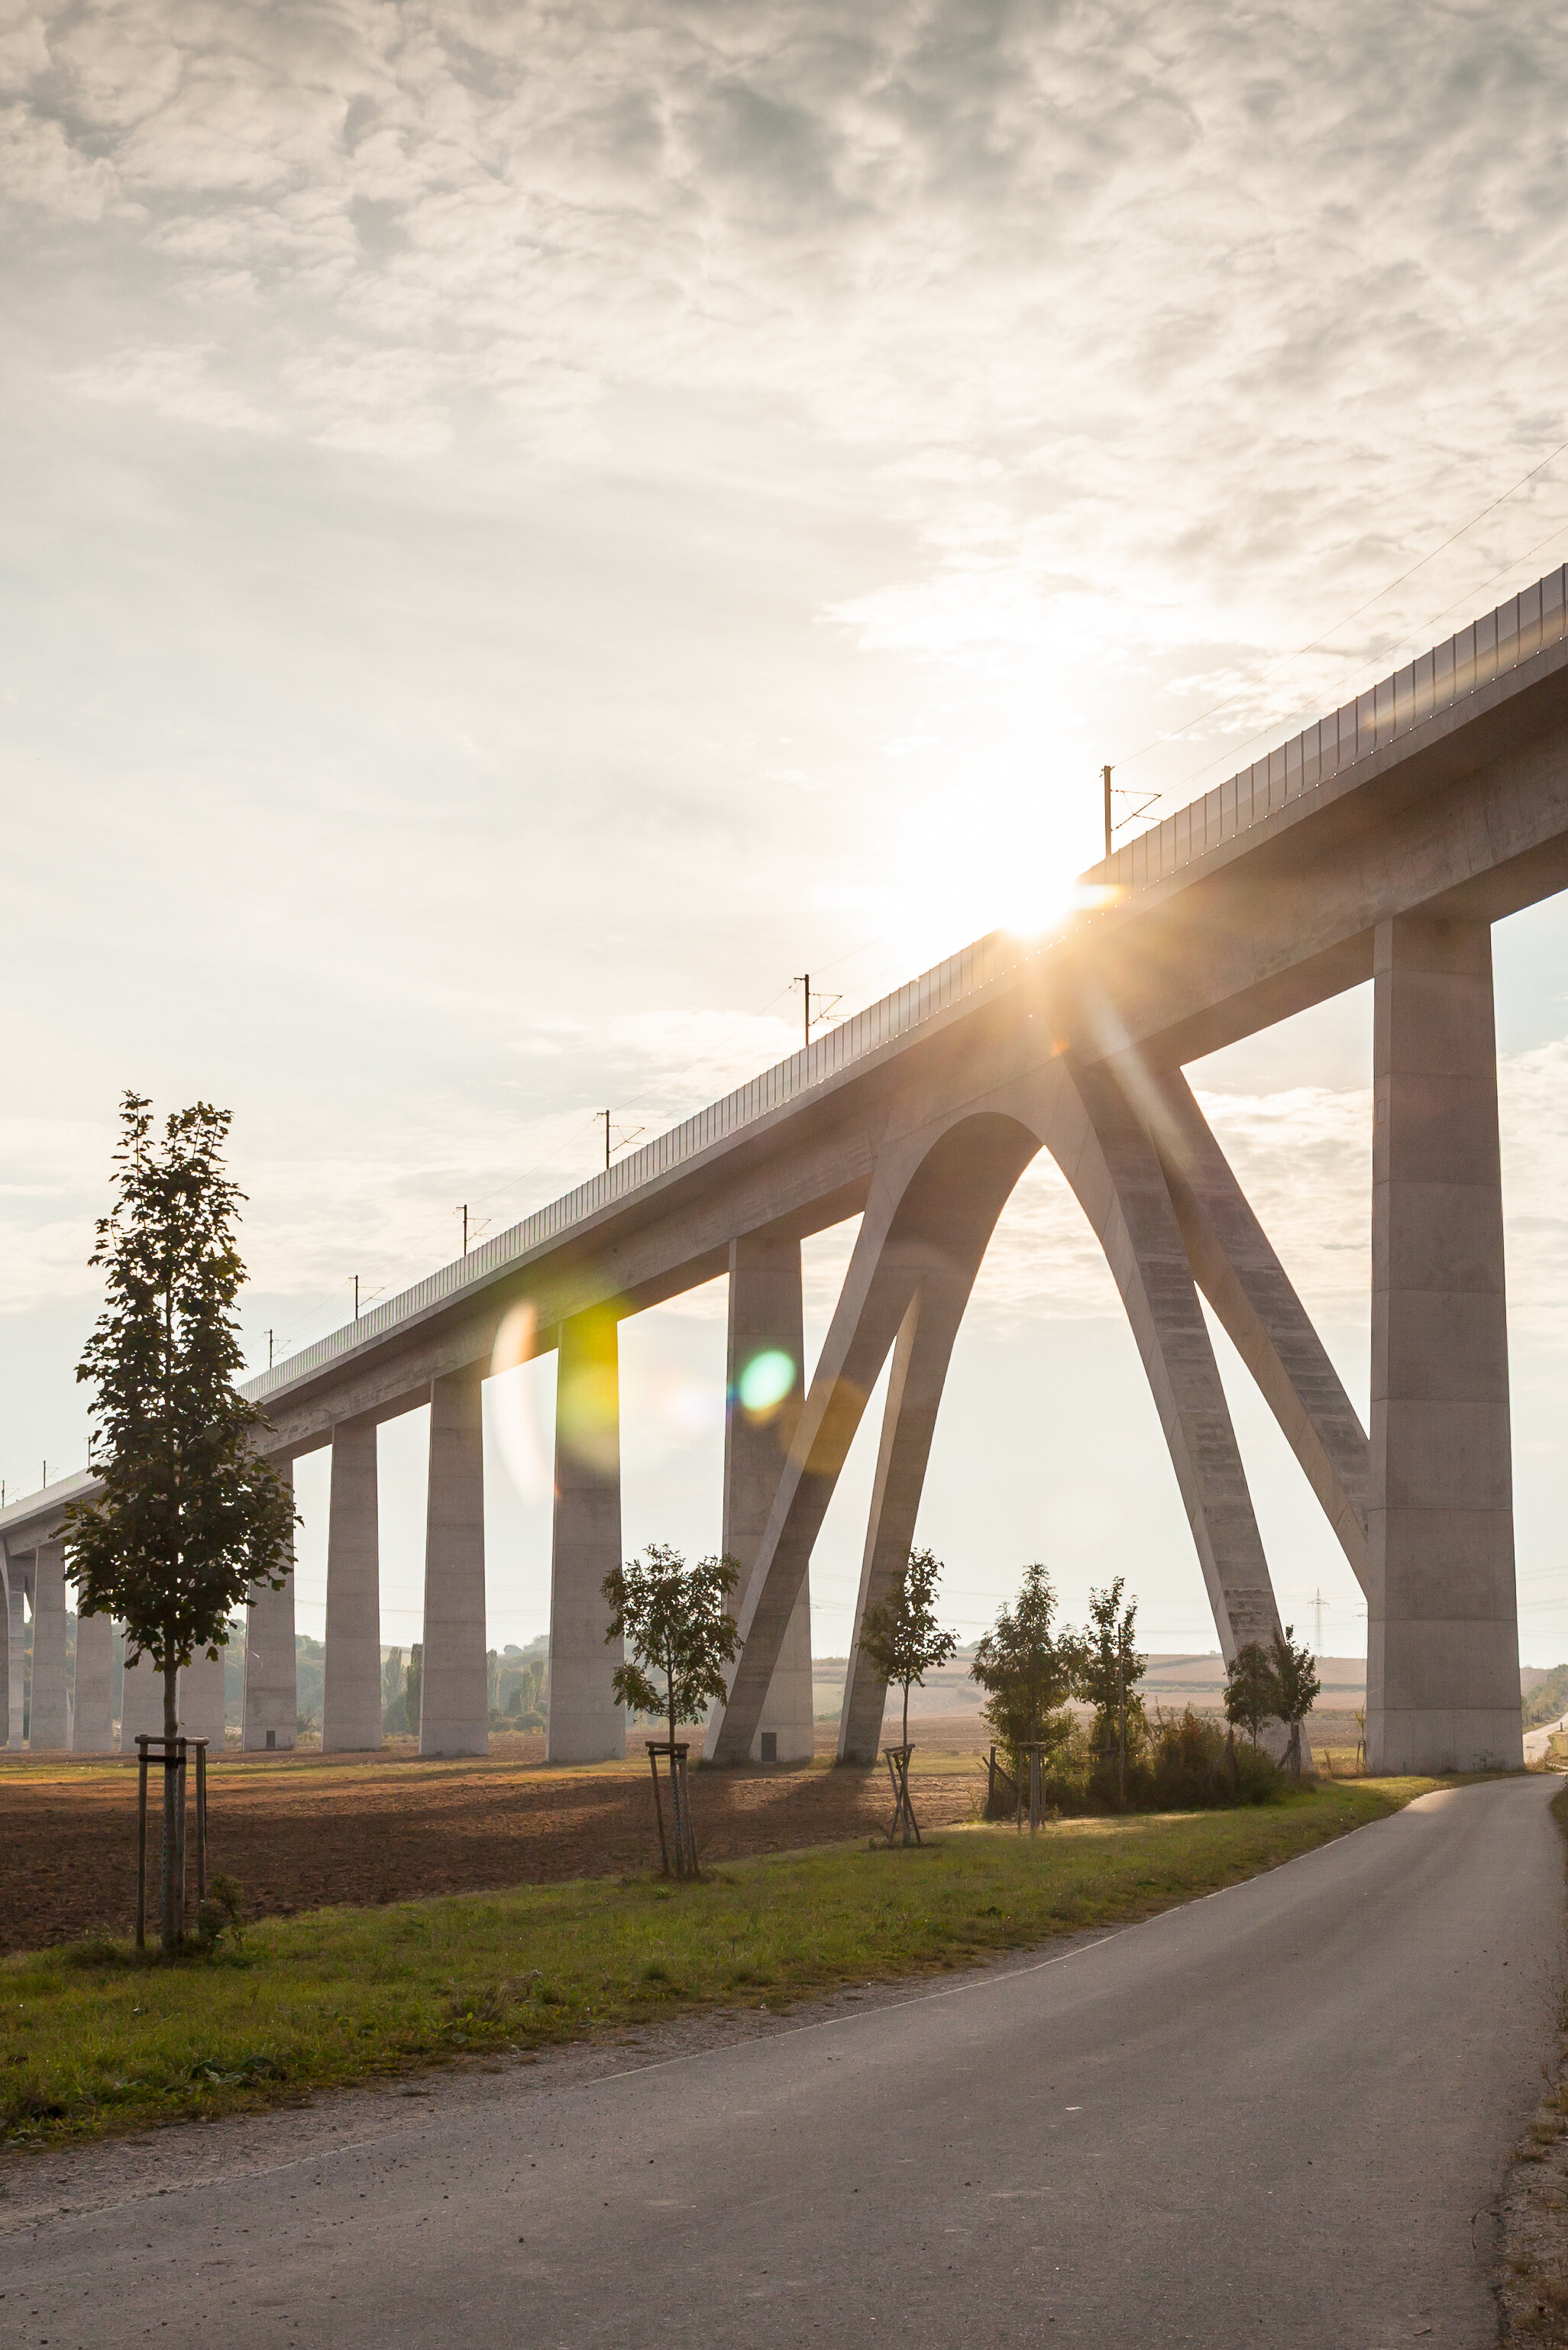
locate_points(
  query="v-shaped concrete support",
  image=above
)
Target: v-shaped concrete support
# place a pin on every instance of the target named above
(1237, 1270)
(1105, 1153)
(934, 1203)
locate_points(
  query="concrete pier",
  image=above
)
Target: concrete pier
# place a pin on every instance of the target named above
(141, 1704)
(17, 1658)
(453, 1695)
(10, 1645)
(761, 1412)
(202, 1700)
(585, 1723)
(49, 1728)
(92, 1726)
(272, 1686)
(1442, 1664)
(351, 1696)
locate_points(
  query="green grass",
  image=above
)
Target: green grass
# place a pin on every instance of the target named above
(91, 2039)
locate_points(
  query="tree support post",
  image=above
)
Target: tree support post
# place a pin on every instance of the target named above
(683, 1834)
(174, 1755)
(1035, 1751)
(903, 1822)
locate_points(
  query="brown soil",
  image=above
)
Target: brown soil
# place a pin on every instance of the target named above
(301, 1832)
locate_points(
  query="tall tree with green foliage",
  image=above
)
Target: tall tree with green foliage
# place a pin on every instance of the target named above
(1027, 1668)
(1251, 1690)
(1297, 1683)
(191, 1519)
(1109, 1670)
(900, 1637)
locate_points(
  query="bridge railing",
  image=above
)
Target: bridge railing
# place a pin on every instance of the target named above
(1535, 618)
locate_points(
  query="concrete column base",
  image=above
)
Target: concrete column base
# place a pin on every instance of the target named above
(272, 1682)
(351, 1690)
(787, 1730)
(49, 1726)
(585, 1724)
(453, 1683)
(141, 1704)
(92, 1728)
(765, 1387)
(5, 1651)
(17, 1660)
(202, 1700)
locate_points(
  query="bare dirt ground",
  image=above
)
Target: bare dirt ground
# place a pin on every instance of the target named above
(303, 1831)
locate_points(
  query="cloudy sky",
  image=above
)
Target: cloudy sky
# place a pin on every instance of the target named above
(526, 526)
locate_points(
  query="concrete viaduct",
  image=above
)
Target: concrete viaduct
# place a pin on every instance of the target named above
(1381, 842)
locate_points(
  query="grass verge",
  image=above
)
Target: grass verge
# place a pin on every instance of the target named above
(92, 2039)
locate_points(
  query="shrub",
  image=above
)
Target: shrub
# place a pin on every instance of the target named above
(1176, 1762)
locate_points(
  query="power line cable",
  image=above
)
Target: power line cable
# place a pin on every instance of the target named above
(1329, 699)
(1281, 660)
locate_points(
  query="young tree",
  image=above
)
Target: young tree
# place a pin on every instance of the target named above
(1252, 1691)
(1296, 1680)
(675, 1620)
(1109, 1669)
(900, 1637)
(1027, 1669)
(192, 1518)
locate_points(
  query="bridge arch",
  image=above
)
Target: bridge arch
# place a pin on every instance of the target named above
(935, 1198)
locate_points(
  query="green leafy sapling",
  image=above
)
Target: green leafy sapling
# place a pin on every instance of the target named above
(900, 1637)
(1027, 1667)
(675, 1620)
(1297, 1684)
(1251, 1690)
(1109, 1669)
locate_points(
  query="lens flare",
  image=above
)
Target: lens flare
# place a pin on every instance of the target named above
(514, 1338)
(765, 1381)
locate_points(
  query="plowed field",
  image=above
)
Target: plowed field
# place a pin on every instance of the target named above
(302, 1832)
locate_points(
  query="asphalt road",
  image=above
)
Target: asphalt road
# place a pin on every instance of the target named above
(1278, 2117)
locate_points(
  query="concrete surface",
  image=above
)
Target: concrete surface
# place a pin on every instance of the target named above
(766, 1317)
(49, 1718)
(1442, 1636)
(11, 1649)
(585, 1723)
(454, 1707)
(92, 1720)
(141, 1704)
(1278, 2116)
(202, 1700)
(351, 1680)
(272, 1684)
